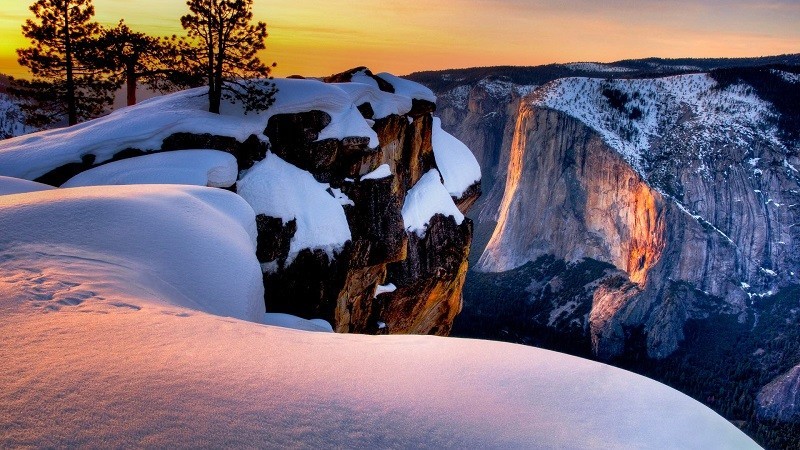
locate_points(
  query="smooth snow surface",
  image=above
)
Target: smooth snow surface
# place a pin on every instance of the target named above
(195, 167)
(278, 189)
(382, 171)
(11, 185)
(118, 376)
(455, 161)
(408, 88)
(111, 300)
(297, 323)
(101, 248)
(147, 124)
(426, 199)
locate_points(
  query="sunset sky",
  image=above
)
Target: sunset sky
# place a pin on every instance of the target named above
(316, 37)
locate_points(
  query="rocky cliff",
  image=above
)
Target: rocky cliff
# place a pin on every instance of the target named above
(687, 184)
(333, 173)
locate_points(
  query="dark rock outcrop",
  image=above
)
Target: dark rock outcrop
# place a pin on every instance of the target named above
(294, 137)
(780, 399)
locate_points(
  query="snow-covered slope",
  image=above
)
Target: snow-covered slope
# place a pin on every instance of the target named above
(631, 114)
(11, 185)
(146, 125)
(113, 343)
(187, 246)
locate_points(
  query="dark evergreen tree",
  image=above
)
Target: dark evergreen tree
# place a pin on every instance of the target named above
(62, 85)
(223, 46)
(131, 58)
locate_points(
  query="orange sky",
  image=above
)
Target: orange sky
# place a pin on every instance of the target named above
(320, 37)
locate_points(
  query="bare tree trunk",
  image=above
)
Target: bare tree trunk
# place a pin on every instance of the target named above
(72, 108)
(130, 82)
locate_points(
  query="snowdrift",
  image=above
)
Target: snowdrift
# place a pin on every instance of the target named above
(113, 304)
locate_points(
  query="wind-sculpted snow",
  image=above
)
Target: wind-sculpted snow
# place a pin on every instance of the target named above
(112, 302)
(458, 167)
(11, 185)
(184, 246)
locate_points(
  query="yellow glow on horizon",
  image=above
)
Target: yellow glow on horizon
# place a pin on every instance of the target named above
(315, 37)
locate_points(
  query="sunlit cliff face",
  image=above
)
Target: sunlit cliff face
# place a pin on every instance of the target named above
(647, 235)
(513, 177)
(568, 193)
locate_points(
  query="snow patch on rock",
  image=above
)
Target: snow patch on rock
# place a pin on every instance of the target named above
(455, 161)
(427, 198)
(275, 188)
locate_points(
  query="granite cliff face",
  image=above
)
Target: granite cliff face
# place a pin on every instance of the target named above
(330, 171)
(780, 399)
(686, 184)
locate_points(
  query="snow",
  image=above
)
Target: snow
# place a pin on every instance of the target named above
(195, 167)
(341, 197)
(124, 343)
(383, 103)
(596, 67)
(11, 185)
(408, 88)
(278, 189)
(12, 119)
(162, 378)
(382, 171)
(102, 247)
(147, 124)
(735, 110)
(789, 77)
(297, 323)
(362, 77)
(455, 161)
(427, 198)
(384, 289)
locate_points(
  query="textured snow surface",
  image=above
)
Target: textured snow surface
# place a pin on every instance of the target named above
(735, 110)
(278, 189)
(196, 167)
(11, 185)
(146, 125)
(427, 198)
(192, 247)
(408, 88)
(455, 161)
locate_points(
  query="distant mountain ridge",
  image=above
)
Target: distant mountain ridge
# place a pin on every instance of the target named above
(638, 211)
(443, 80)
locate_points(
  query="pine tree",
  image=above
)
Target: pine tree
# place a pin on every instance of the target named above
(62, 84)
(224, 46)
(134, 58)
